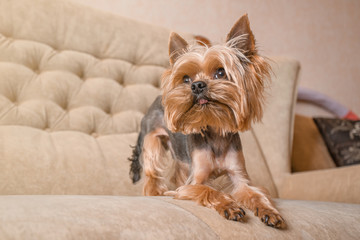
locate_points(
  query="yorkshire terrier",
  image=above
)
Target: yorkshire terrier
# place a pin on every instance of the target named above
(210, 94)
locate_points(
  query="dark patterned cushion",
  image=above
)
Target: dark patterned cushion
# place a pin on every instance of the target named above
(342, 138)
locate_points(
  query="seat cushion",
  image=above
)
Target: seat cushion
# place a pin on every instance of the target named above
(335, 184)
(114, 217)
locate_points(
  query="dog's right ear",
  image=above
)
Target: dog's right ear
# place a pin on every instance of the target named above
(242, 29)
(177, 45)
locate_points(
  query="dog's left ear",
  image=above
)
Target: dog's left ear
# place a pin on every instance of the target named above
(241, 29)
(177, 45)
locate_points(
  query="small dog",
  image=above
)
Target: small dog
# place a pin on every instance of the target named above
(209, 95)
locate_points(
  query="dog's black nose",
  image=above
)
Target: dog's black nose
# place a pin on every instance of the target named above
(198, 87)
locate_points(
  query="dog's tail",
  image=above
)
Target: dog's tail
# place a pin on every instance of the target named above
(136, 166)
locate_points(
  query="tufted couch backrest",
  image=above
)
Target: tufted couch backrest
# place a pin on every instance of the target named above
(61, 68)
(74, 85)
(73, 82)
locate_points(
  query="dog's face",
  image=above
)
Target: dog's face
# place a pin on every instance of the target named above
(221, 87)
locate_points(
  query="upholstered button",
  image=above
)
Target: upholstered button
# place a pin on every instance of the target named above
(47, 129)
(95, 135)
(35, 67)
(80, 72)
(120, 80)
(65, 106)
(107, 110)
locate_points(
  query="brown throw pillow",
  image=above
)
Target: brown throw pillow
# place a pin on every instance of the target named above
(309, 149)
(342, 138)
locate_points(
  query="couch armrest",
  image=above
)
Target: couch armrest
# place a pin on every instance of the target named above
(337, 184)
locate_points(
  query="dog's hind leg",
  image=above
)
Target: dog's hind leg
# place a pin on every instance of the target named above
(153, 162)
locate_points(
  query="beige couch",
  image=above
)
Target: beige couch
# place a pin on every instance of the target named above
(74, 85)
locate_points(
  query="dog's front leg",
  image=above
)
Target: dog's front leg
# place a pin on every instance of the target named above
(249, 196)
(224, 204)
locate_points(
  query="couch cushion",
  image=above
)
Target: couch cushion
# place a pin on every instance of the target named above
(100, 217)
(104, 217)
(304, 219)
(335, 184)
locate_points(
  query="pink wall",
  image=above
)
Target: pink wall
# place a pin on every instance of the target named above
(324, 35)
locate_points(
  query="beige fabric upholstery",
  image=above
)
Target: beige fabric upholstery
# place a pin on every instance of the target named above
(74, 85)
(97, 217)
(335, 184)
(111, 217)
(69, 106)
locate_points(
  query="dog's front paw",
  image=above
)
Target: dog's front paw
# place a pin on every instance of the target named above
(231, 211)
(270, 217)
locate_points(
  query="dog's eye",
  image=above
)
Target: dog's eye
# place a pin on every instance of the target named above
(220, 73)
(187, 79)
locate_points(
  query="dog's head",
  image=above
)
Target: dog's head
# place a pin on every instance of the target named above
(221, 86)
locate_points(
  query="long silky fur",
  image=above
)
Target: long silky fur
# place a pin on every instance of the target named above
(247, 75)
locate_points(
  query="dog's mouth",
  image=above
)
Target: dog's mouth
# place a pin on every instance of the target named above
(202, 101)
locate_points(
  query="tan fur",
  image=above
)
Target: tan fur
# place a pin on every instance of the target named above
(181, 174)
(203, 166)
(159, 166)
(236, 102)
(232, 103)
(206, 196)
(253, 198)
(260, 203)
